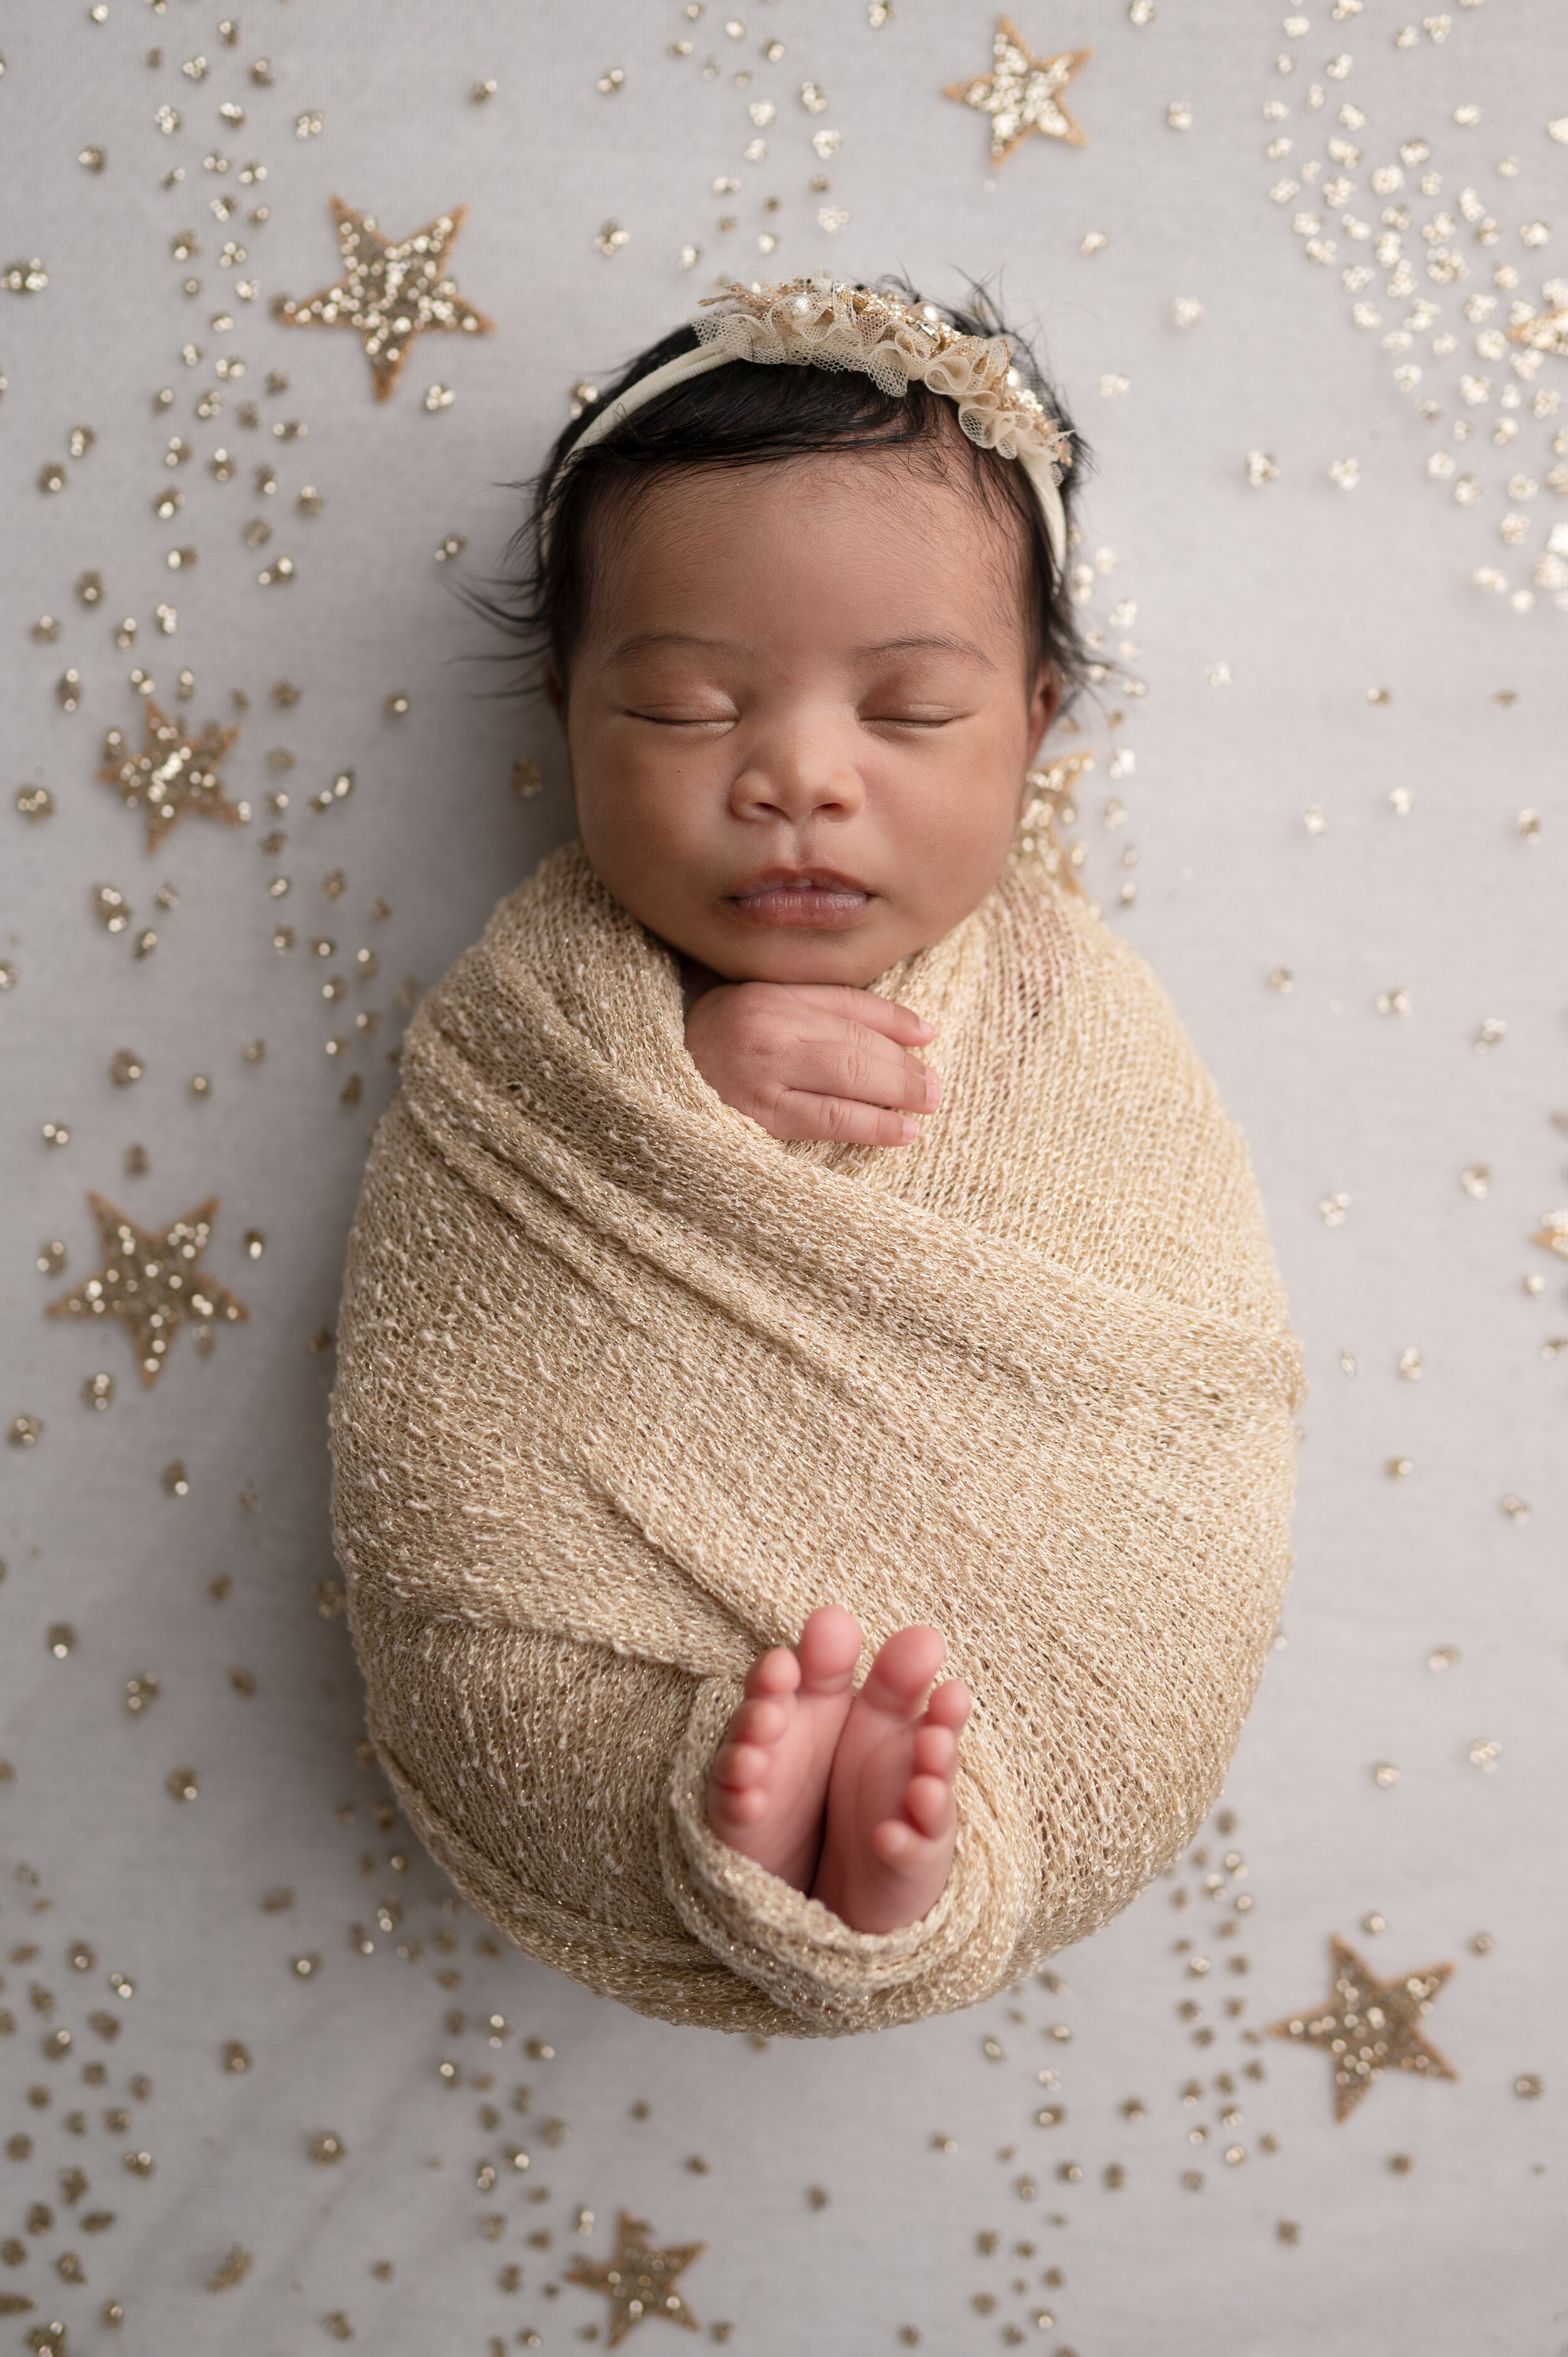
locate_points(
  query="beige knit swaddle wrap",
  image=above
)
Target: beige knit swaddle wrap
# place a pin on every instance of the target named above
(626, 1389)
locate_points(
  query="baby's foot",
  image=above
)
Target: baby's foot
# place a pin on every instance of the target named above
(768, 1783)
(888, 1849)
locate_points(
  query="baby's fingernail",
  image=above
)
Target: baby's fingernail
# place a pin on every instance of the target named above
(911, 1131)
(933, 1089)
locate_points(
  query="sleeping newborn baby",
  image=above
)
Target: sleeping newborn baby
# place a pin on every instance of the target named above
(803, 1236)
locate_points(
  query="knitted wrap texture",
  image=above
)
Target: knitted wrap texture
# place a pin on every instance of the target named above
(626, 1389)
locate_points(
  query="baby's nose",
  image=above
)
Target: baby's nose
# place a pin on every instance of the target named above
(797, 776)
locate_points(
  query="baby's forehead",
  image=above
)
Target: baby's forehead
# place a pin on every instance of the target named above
(895, 512)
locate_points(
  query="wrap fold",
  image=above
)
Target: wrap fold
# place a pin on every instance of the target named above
(626, 1389)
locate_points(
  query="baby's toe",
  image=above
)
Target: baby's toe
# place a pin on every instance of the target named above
(760, 1721)
(739, 1767)
(829, 1650)
(903, 1670)
(929, 1804)
(774, 1672)
(935, 1752)
(903, 1849)
(949, 1705)
(732, 1807)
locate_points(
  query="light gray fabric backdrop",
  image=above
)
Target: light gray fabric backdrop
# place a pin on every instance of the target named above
(1318, 747)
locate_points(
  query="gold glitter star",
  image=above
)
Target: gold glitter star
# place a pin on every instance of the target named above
(1543, 331)
(390, 294)
(173, 773)
(638, 2281)
(1370, 2025)
(1020, 94)
(150, 1280)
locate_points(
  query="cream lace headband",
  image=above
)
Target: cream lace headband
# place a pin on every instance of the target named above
(821, 322)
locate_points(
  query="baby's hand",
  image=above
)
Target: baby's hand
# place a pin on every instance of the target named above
(814, 1060)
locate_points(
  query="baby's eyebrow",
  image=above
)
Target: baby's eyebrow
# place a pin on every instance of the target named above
(918, 643)
(942, 643)
(642, 639)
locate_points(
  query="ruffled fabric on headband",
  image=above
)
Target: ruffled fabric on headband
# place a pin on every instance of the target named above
(825, 323)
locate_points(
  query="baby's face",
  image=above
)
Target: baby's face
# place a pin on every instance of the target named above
(800, 712)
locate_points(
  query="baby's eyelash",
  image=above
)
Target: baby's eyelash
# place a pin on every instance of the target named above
(685, 720)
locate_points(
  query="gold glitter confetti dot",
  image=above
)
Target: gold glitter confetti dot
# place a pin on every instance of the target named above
(181, 1784)
(1385, 1774)
(231, 2269)
(1528, 2085)
(1515, 1507)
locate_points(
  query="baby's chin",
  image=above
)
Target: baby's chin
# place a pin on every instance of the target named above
(803, 955)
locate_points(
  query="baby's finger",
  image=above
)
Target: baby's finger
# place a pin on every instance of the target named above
(845, 1059)
(800, 1113)
(882, 1015)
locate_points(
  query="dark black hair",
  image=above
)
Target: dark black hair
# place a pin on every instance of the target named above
(750, 415)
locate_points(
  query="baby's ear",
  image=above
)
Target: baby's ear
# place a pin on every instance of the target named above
(1045, 701)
